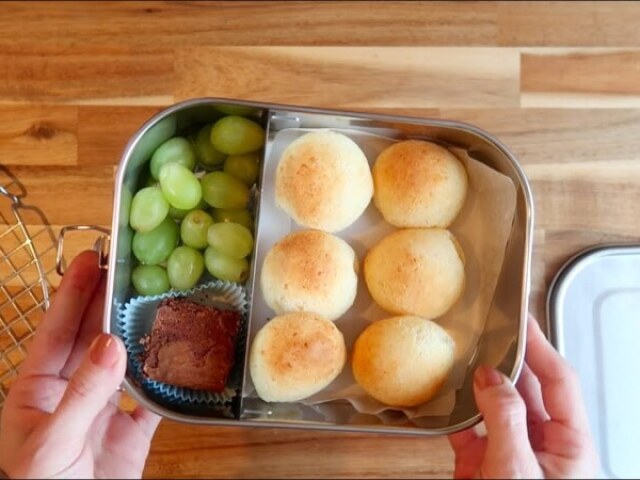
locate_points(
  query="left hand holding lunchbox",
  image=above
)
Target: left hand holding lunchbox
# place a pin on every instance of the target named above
(61, 417)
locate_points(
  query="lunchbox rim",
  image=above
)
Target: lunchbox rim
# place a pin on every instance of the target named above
(566, 273)
(414, 431)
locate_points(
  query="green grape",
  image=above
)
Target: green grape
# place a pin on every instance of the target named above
(150, 279)
(206, 154)
(179, 213)
(175, 150)
(155, 246)
(224, 267)
(148, 209)
(185, 267)
(180, 186)
(231, 239)
(194, 228)
(243, 167)
(154, 136)
(235, 135)
(221, 190)
(243, 217)
(240, 110)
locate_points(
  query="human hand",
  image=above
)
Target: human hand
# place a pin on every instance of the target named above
(538, 429)
(61, 417)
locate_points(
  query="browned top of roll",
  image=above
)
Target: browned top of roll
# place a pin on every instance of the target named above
(419, 184)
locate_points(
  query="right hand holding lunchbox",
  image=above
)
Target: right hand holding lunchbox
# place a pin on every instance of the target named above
(535, 429)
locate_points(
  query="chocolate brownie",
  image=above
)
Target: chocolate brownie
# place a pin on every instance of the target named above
(191, 345)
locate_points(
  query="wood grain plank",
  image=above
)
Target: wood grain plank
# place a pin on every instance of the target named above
(562, 227)
(611, 200)
(541, 136)
(103, 131)
(168, 24)
(77, 74)
(568, 23)
(580, 78)
(548, 135)
(186, 24)
(69, 195)
(270, 453)
(346, 77)
(38, 135)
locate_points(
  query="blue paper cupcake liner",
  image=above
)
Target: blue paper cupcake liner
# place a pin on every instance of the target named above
(135, 320)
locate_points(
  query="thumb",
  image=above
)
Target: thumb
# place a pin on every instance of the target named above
(90, 387)
(509, 453)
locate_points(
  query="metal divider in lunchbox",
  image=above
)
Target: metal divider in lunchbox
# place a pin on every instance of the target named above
(510, 301)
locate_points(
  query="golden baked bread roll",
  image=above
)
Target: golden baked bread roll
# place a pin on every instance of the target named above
(296, 355)
(419, 184)
(323, 181)
(416, 272)
(310, 271)
(403, 361)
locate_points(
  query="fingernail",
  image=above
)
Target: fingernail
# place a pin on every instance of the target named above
(486, 377)
(104, 351)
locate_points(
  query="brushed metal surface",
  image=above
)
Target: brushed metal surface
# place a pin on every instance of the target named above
(594, 321)
(510, 302)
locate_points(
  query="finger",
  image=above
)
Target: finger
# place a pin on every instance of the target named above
(505, 418)
(528, 387)
(91, 327)
(56, 333)
(459, 441)
(90, 388)
(469, 451)
(146, 420)
(559, 384)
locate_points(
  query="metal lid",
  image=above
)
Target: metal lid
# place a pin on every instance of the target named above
(593, 311)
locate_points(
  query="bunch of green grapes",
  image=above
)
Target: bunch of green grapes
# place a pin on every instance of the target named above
(193, 212)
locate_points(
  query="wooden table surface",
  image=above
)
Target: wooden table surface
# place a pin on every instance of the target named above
(559, 83)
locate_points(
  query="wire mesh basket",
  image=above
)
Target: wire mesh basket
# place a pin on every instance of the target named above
(27, 259)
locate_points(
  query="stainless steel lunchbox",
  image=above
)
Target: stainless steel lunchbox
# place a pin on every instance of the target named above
(510, 302)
